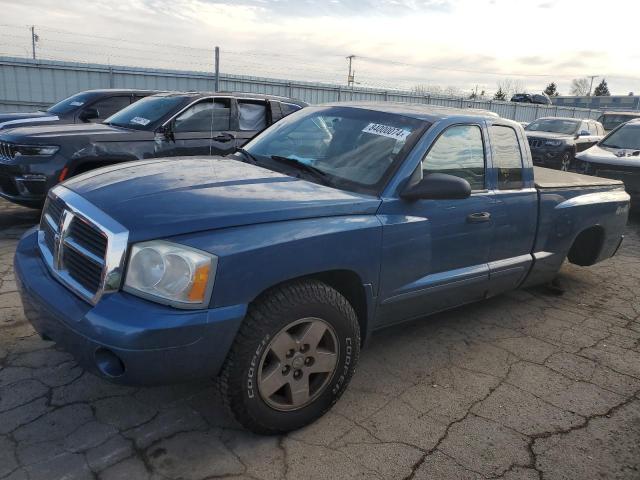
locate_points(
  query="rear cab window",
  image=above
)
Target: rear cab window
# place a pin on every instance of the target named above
(507, 157)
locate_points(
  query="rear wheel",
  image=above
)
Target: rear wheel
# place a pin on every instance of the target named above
(292, 358)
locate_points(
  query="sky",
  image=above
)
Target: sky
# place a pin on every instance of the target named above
(459, 45)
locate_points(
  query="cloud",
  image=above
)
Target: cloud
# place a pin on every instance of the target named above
(315, 8)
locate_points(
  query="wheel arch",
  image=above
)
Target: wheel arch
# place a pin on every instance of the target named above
(348, 283)
(587, 246)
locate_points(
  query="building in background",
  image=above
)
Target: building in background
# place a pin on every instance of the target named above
(613, 102)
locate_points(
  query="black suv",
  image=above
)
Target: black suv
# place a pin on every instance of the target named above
(84, 107)
(540, 99)
(34, 159)
(554, 141)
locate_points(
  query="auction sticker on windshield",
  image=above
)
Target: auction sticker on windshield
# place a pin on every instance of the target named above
(77, 104)
(140, 121)
(387, 131)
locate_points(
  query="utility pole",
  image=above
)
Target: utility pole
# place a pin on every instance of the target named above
(351, 75)
(34, 39)
(591, 85)
(217, 69)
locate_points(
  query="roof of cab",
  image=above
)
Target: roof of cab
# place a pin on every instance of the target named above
(429, 113)
(625, 113)
(241, 95)
(122, 90)
(565, 118)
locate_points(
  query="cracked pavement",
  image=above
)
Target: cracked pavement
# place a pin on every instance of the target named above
(530, 385)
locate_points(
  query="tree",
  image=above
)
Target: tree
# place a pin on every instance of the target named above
(602, 90)
(510, 87)
(452, 91)
(552, 90)
(426, 90)
(500, 95)
(580, 87)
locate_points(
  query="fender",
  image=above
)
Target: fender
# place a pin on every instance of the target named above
(253, 258)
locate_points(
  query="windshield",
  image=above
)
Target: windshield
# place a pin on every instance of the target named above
(555, 125)
(611, 121)
(626, 137)
(70, 104)
(352, 148)
(143, 114)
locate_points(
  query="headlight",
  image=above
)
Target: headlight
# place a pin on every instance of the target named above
(35, 150)
(169, 273)
(553, 143)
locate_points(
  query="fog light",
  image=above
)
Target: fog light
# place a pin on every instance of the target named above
(109, 363)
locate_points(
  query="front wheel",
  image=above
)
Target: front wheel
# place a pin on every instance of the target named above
(292, 358)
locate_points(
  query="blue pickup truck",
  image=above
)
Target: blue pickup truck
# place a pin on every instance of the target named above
(271, 268)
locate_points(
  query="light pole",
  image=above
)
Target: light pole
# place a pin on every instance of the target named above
(351, 75)
(591, 85)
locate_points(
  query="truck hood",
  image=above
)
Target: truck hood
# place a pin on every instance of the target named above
(551, 135)
(611, 156)
(43, 134)
(173, 196)
(15, 120)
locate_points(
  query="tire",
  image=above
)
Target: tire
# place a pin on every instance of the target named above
(264, 387)
(566, 161)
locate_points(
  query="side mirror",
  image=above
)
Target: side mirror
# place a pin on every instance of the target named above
(166, 131)
(89, 114)
(438, 186)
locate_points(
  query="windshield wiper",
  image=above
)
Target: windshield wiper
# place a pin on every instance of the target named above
(316, 172)
(247, 155)
(609, 146)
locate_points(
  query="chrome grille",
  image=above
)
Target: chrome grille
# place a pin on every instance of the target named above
(82, 247)
(7, 152)
(535, 142)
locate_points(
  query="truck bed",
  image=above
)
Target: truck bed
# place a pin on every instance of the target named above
(549, 178)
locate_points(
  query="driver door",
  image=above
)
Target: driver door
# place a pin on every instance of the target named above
(435, 252)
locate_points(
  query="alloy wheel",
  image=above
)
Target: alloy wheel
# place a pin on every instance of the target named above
(298, 364)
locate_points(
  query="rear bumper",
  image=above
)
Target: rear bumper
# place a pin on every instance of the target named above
(152, 344)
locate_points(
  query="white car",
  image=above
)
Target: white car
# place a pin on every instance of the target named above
(616, 156)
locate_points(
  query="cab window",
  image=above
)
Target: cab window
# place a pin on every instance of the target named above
(507, 157)
(205, 116)
(108, 106)
(253, 115)
(458, 151)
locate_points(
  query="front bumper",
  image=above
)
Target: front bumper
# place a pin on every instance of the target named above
(154, 344)
(630, 176)
(25, 183)
(550, 157)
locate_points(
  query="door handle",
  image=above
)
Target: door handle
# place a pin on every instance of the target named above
(225, 137)
(478, 217)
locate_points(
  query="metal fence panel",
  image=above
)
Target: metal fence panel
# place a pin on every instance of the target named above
(27, 84)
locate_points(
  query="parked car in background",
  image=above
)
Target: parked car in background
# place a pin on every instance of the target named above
(611, 120)
(34, 159)
(554, 141)
(616, 156)
(540, 99)
(271, 267)
(90, 106)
